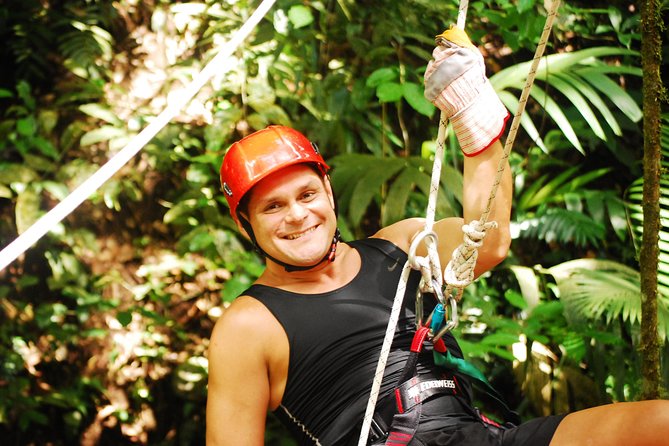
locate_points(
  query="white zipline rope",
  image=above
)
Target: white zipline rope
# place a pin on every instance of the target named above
(216, 66)
(433, 259)
(474, 232)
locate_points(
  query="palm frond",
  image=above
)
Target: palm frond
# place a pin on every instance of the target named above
(359, 180)
(592, 289)
(553, 189)
(634, 199)
(557, 225)
(580, 77)
(83, 46)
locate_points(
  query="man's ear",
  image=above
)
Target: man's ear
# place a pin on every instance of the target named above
(328, 189)
(240, 226)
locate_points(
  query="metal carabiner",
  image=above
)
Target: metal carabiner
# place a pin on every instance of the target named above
(451, 322)
(439, 295)
(414, 245)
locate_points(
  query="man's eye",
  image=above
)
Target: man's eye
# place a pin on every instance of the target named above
(308, 195)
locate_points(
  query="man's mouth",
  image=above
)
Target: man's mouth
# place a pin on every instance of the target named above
(299, 234)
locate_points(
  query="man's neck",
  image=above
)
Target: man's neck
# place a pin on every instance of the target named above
(324, 277)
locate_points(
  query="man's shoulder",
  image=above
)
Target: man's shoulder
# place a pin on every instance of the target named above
(401, 233)
(245, 314)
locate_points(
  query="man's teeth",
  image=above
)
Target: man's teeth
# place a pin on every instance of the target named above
(296, 236)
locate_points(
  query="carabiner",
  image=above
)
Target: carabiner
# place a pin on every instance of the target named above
(451, 322)
(414, 246)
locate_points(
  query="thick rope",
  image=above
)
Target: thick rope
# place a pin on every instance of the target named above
(218, 65)
(460, 270)
(430, 268)
(383, 356)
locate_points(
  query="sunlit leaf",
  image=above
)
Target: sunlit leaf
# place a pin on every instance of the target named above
(389, 92)
(100, 112)
(381, 76)
(413, 93)
(300, 16)
(104, 133)
(27, 209)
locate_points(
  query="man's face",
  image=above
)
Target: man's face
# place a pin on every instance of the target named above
(292, 215)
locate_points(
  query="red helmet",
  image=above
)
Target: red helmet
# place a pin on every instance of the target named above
(261, 153)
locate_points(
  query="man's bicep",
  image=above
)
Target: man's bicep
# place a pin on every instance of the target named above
(238, 390)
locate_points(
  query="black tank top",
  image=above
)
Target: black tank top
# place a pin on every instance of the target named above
(335, 339)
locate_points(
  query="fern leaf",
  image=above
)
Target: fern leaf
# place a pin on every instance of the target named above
(563, 226)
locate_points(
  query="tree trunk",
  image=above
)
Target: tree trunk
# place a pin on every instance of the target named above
(651, 47)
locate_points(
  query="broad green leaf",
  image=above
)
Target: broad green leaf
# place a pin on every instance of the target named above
(594, 98)
(45, 147)
(26, 126)
(381, 76)
(525, 5)
(235, 286)
(389, 92)
(16, 173)
(556, 113)
(420, 51)
(575, 346)
(27, 209)
(616, 94)
(515, 298)
(300, 16)
(398, 194)
(511, 102)
(104, 133)
(501, 339)
(47, 120)
(413, 93)
(369, 186)
(580, 104)
(345, 8)
(124, 318)
(100, 112)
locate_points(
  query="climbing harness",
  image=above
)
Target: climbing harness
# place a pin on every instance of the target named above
(218, 65)
(397, 419)
(459, 272)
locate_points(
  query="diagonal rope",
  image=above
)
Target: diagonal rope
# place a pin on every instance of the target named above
(460, 270)
(433, 258)
(47, 222)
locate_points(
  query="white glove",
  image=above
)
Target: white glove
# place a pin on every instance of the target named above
(456, 83)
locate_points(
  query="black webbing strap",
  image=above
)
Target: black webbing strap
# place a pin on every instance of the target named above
(405, 421)
(412, 390)
(416, 390)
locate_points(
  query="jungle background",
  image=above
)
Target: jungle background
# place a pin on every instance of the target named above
(104, 323)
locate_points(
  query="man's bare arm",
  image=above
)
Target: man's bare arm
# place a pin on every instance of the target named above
(479, 175)
(239, 389)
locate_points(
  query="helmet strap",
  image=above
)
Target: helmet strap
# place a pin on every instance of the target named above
(329, 256)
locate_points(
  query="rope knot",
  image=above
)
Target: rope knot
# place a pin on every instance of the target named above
(460, 270)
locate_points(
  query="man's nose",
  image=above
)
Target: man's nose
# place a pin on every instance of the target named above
(296, 212)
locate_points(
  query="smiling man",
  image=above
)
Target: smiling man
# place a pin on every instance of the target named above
(304, 339)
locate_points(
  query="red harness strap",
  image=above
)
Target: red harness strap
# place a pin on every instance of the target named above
(411, 391)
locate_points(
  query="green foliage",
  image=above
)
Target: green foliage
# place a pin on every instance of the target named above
(104, 323)
(582, 77)
(634, 197)
(393, 185)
